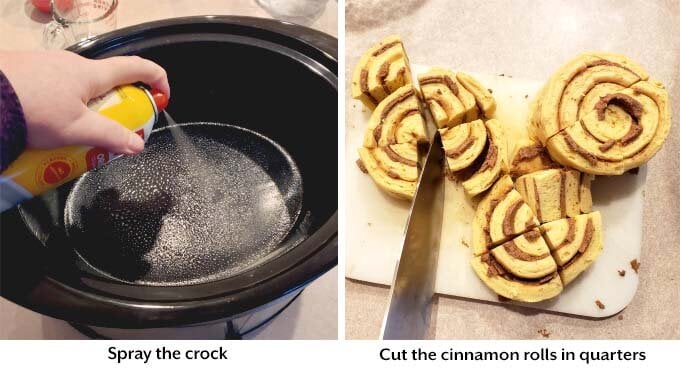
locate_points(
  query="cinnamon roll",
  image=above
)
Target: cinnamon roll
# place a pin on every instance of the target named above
(529, 156)
(463, 144)
(521, 269)
(394, 168)
(575, 243)
(485, 101)
(495, 160)
(380, 71)
(500, 216)
(585, 198)
(450, 103)
(396, 120)
(552, 194)
(601, 114)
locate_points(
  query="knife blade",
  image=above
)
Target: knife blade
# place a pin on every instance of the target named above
(408, 311)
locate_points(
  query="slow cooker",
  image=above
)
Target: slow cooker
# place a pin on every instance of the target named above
(268, 84)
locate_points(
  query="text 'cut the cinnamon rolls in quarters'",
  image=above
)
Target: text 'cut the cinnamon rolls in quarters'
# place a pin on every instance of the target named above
(575, 243)
(500, 216)
(450, 103)
(381, 70)
(393, 168)
(601, 114)
(520, 269)
(396, 120)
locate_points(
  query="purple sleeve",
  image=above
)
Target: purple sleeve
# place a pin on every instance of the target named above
(12, 124)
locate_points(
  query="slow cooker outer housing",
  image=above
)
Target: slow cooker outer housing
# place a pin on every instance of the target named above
(147, 306)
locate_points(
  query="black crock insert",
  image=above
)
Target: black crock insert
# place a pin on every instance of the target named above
(203, 201)
(195, 252)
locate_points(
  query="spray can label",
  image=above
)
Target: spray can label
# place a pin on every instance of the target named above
(38, 170)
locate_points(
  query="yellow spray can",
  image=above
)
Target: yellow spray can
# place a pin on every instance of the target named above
(39, 170)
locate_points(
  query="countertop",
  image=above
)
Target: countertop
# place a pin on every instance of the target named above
(531, 39)
(21, 25)
(314, 314)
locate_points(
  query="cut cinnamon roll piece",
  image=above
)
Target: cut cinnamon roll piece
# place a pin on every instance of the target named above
(495, 160)
(552, 194)
(396, 120)
(380, 71)
(500, 216)
(571, 90)
(521, 269)
(575, 243)
(529, 156)
(463, 144)
(527, 256)
(621, 131)
(394, 168)
(601, 114)
(585, 197)
(485, 101)
(450, 103)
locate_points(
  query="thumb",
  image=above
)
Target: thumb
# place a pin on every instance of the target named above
(93, 129)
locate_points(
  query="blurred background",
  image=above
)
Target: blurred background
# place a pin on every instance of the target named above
(22, 23)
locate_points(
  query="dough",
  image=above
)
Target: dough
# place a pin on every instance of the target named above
(380, 71)
(575, 243)
(485, 102)
(601, 114)
(495, 162)
(507, 285)
(585, 197)
(394, 168)
(552, 194)
(463, 144)
(396, 120)
(529, 156)
(450, 103)
(527, 256)
(500, 216)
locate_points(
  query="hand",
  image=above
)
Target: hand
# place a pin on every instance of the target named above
(54, 89)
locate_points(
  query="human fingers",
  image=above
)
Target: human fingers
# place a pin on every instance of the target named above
(93, 129)
(119, 70)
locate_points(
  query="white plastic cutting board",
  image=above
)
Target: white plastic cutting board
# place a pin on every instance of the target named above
(375, 221)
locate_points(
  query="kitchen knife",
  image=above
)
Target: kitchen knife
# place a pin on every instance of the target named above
(408, 312)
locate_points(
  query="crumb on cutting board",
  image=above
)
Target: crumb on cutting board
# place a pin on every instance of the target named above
(490, 91)
(635, 264)
(526, 96)
(620, 317)
(462, 241)
(369, 223)
(599, 304)
(544, 333)
(622, 273)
